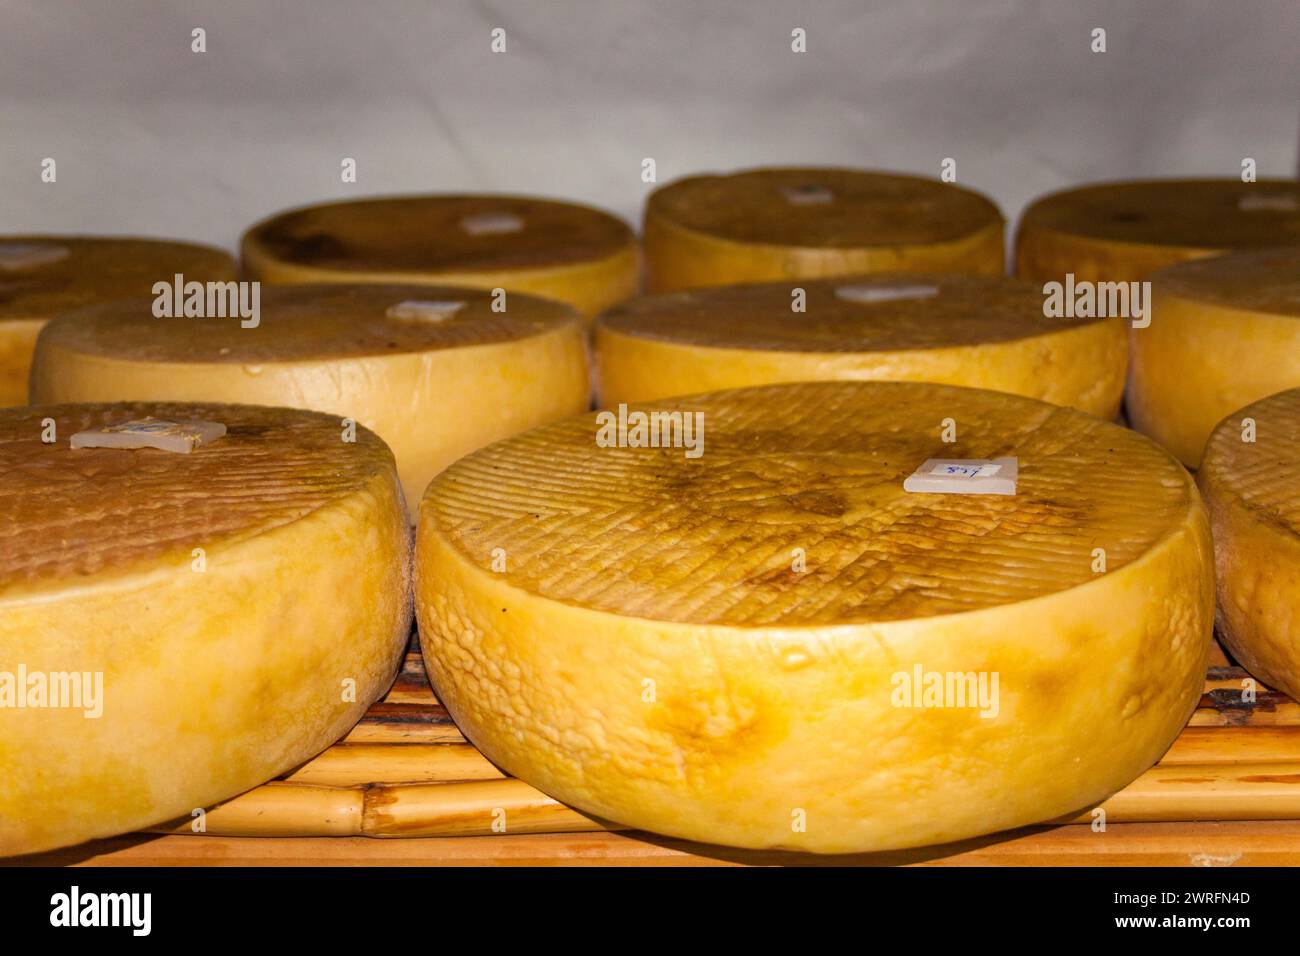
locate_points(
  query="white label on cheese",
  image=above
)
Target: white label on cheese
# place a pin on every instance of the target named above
(1253, 203)
(807, 194)
(424, 310)
(491, 223)
(28, 255)
(962, 476)
(149, 432)
(867, 294)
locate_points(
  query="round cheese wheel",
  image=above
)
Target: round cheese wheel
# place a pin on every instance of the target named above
(1224, 332)
(1123, 232)
(1251, 482)
(45, 276)
(182, 627)
(433, 370)
(564, 251)
(958, 330)
(737, 641)
(766, 224)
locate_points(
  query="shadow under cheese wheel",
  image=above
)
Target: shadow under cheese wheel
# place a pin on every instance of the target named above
(564, 251)
(434, 371)
(1250, 478)
(1124, 231)
(241, 605)
(761, 225)
(740, 647)
(44, 276)
(1224, 332)
(976, 331)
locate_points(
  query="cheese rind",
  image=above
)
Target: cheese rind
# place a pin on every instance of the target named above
(1252, 491)
(42, 277)
(243, 605)
(710, 647)
(1224, 332)
(1123, 232)
(562, 251)
(957, 330)
(433, 388)
(745, 227)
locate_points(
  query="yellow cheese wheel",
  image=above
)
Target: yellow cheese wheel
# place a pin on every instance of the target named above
(182, 627)
(1123, 232)
(1252, 490)
(1224, 332)
(433, 370)
(741, 646)
(45, 276)
(558, 250)
(957, 330)
(761, 225)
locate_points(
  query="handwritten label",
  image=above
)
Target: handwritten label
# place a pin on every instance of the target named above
(959, 476)
(491, 223)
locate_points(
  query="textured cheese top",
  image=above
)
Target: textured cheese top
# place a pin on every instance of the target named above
(428, 234)
(900, 312)
(44, 276)
(66, 515)
(311, 322)
(1265, 474)
(1192, 213)
(820, 466)
(864, 209)
(1266, 280)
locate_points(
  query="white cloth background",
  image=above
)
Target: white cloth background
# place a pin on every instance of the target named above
(153, 139)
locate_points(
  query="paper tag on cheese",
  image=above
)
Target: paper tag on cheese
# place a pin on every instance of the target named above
(964, 476)
(807, 194)
(1256, 203)
(491, 223)
(16, 256)
(423, 310)
(182, 437)
(867, 294)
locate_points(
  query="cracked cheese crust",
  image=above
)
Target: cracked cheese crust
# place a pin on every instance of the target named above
(742, 227)
(954, 330)
(564, 251)
(1252, 490)
(77, 272)
(1224, 332)
(215, 679)
(433, 388)
(647, 651)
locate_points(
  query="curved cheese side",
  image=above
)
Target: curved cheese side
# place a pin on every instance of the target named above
(1224, 332)
(1252, 491)
(213, 682)
(677, 717)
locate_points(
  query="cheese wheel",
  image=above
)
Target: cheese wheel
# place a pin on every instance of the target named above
(762, 225)
(1252, 491)
(238, 608)
(559, 250)
(433, 370)
(740, 646)
(1123, 232)
(958, 330)
(45, 276)
(1224, 332)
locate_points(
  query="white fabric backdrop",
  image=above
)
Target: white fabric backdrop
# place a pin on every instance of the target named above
(153, 139)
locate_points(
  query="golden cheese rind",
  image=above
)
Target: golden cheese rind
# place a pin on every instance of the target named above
(975, 331)
(1224, 332)
(564, 251)
(1252, 491)
(433, 388)
(742, 227)
(1124, 231)
(630, 629)
(79, 272)
(221, 668)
